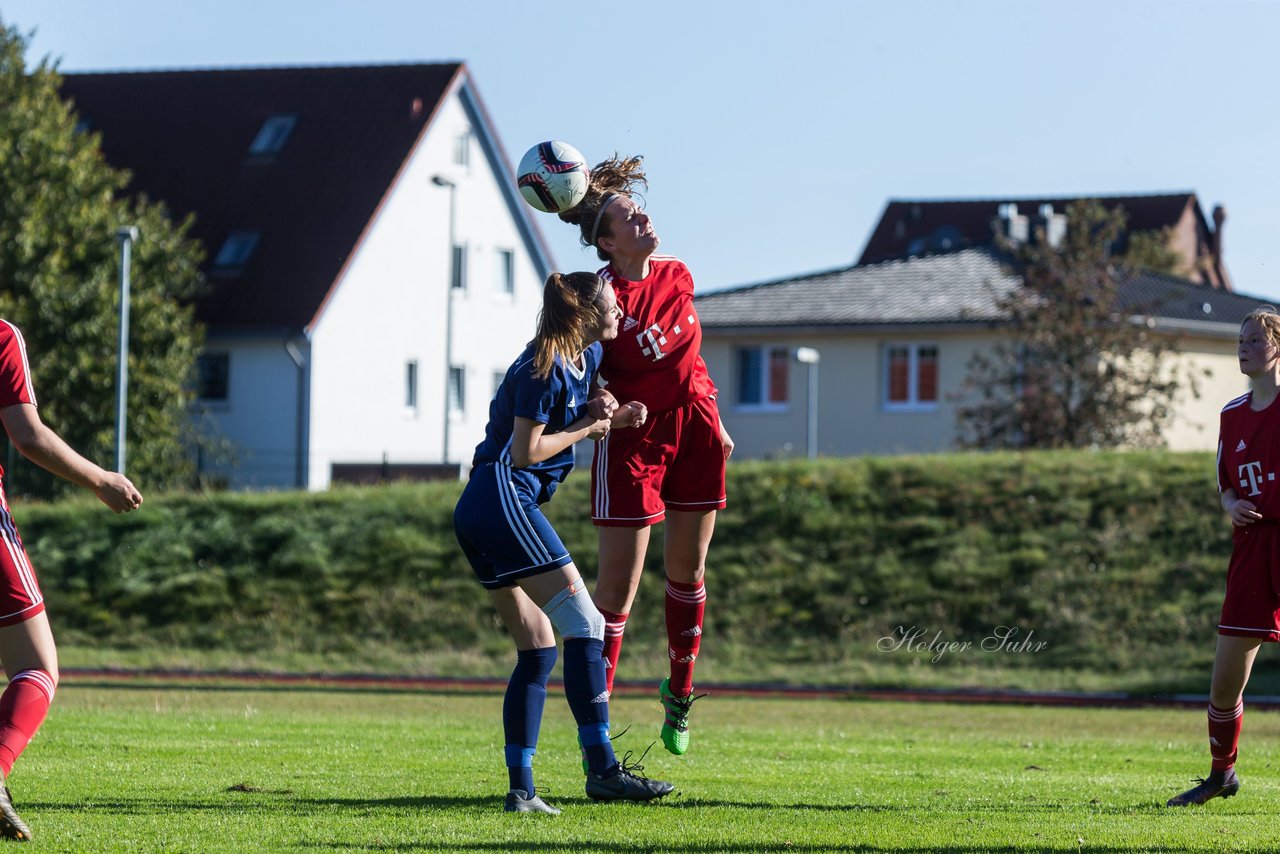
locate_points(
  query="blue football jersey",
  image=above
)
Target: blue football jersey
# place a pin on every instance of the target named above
(556, 401)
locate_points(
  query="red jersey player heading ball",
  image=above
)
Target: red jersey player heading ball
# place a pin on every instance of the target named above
(672, 469)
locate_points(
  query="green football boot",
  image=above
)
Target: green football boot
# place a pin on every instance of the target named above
(675, 728)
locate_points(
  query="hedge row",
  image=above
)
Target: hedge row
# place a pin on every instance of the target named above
(1115, 558)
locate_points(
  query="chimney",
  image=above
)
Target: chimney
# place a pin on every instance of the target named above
(1054, 225)
(1015, 227)
(1219, 270)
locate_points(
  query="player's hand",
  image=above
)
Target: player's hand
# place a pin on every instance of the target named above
(602, 404)
(1243, 512)
(727, 441)
(118, 492)
(633, 414)
(598, 429)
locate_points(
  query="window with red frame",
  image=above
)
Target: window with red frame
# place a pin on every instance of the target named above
(911, 376)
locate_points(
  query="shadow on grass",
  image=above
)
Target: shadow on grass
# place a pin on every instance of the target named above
(282, 801)
(714, 848)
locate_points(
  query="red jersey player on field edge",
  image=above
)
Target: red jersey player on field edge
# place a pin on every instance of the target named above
(1248, 463)
(27, 649)
(672, 469)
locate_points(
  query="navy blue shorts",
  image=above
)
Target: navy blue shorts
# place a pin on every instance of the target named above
(502, 530)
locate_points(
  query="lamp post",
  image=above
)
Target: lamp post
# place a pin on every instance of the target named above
(442, 181)
(125, 236)
(809, 357)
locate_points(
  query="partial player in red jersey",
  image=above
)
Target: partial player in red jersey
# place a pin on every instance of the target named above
(1248, 463)
(26, 644)
(673, 468)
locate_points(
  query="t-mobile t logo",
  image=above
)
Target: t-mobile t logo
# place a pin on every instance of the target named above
(1251, 477)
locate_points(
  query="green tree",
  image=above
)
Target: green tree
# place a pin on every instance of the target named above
(1075, 367)
(60, 206)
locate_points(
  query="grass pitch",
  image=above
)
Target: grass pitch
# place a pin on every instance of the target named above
(199, 769)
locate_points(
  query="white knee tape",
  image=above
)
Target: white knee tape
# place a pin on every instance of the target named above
(573, 613)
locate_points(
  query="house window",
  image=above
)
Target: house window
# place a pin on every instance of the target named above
(273, 135)
(236, 250)
(762, 376)
(457, 390)
(213, 373)
(411, 384)
(498, 377)
(506, 270)
(462, 149)
(458, 273)
(911, 376)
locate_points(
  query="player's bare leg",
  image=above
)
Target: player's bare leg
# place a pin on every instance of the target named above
(622, 553)
(688, 537)
(1232, 665)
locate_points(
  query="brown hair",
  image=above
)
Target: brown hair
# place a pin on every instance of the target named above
(614, 177)
(1268, 319)
(568, 308)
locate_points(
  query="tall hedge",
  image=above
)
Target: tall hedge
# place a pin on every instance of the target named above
(1113, 558)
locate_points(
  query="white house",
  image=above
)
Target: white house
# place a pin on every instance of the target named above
(894, 340)
(372, 267)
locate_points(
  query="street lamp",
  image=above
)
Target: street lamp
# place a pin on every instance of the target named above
(809, 357)
(125, 236)
(442, 181)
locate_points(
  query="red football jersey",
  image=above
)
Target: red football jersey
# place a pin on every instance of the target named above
(1249, 454)
(15, 376)
(657, 356)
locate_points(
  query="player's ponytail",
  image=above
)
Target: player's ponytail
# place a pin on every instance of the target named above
(568, 310)
(610, 179)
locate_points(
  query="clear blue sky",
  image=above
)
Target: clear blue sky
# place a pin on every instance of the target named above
(774, 133)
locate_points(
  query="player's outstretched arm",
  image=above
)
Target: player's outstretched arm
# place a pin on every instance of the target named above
(35, 441)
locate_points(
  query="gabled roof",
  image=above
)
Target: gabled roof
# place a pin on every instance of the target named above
(186, 136)
(955, 224)
(952, 288)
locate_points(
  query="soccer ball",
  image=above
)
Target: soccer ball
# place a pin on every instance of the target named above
(553, 176)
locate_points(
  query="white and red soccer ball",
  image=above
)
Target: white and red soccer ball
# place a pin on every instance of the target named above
(553, 176)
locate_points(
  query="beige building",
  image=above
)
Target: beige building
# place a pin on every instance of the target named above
(894, 341)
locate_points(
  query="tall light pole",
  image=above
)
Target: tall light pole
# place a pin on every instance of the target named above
(442, 181)
(125, 236)
(809, 357)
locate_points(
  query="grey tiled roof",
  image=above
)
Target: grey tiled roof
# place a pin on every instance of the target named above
(948, 288)
(955, 287)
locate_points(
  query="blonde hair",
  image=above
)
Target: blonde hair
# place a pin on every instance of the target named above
(569, 308)
(609, 179)
(1268, 318)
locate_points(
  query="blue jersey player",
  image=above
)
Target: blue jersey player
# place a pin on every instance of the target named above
(545, 405)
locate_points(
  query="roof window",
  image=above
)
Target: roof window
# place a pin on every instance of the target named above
(274, 134)
(236, 250)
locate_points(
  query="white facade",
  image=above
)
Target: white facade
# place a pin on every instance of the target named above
(372, 368)
(855, 417)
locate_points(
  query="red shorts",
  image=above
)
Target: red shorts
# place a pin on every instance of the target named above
(20, 597)
(675, 461)
(1252, 605)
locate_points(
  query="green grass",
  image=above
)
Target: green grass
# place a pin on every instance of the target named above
(186, 769)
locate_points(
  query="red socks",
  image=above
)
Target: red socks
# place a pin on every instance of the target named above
(23, 707)
(685, 605)
(1224, 735)
(614, 626)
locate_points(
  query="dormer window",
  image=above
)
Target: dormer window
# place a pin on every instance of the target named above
(236, 250)
(274, 134)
